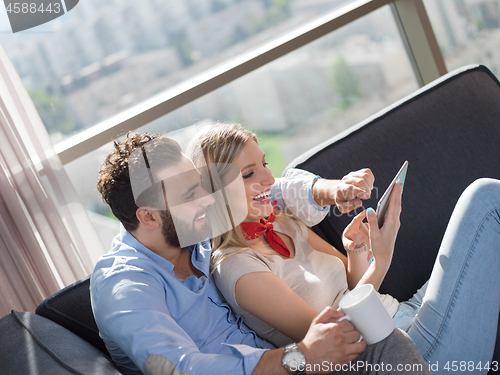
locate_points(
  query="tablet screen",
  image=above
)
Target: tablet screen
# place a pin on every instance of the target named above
(383, 203)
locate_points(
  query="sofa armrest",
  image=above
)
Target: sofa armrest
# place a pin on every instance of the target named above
(71, 308)
(32, 344)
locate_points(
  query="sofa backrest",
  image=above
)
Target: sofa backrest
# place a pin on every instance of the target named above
(449, 131)
(70, 307)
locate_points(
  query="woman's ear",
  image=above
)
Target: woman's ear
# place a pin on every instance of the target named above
(148, 217)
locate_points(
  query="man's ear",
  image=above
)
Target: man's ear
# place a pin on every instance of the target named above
(148, 217)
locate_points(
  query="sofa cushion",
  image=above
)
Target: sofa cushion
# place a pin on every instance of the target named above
(70, 307)
(33, 345)
(449, 132)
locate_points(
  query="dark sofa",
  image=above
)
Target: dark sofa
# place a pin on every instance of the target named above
(450, 133)
(61, 338)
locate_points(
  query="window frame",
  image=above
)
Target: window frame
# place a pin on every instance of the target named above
(413, 24)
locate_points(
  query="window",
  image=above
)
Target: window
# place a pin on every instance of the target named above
(297, 101)
(467, 31)
(312, 94)
(103, 57)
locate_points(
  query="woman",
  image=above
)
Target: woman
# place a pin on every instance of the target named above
(279, 281)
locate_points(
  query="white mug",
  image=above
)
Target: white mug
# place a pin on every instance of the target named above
(364, 308)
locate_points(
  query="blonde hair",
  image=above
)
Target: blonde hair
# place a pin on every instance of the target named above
(221, 143)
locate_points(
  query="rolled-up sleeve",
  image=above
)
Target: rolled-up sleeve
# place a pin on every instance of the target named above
(294, 192)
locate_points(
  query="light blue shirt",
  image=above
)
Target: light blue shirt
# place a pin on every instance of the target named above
(139, 303)
(144, 312)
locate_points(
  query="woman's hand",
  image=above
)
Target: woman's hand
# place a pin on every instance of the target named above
(356, 233)
(382, 240)
(356, 239)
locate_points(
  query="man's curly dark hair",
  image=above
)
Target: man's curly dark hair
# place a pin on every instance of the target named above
(114, 176)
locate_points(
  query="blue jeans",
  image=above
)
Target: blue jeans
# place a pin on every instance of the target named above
(454, 316)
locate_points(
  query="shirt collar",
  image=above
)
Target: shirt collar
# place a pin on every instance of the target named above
(200, 252)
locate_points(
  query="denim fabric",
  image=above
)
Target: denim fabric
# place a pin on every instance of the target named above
(407, 310)
(454, 316)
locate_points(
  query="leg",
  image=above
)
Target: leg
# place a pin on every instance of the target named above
(394, 355)
(408, 310)
(459, 314)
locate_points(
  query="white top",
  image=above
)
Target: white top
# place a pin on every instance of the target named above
(318, 278)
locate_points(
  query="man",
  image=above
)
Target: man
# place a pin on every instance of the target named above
(153, 297)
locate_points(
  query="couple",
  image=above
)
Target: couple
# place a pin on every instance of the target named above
(156, 304)
(307, 274)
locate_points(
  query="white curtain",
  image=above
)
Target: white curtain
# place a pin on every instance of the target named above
(45, 232)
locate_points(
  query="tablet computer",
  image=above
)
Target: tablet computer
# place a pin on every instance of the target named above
(383, 203)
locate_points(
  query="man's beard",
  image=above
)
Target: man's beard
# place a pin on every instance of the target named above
(168, 229)
(174, 230)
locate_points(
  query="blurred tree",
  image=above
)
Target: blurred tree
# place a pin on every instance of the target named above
(345, 83)
(182, 44)
(272, 145)
(217, 6)
(54, 113)
(239, 35)
(277, 12)
(480, 24)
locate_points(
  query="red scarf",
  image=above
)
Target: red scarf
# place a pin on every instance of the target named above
(252, 230)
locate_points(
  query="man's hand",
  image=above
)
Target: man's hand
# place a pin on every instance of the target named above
(331, 343)
(346, 193)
